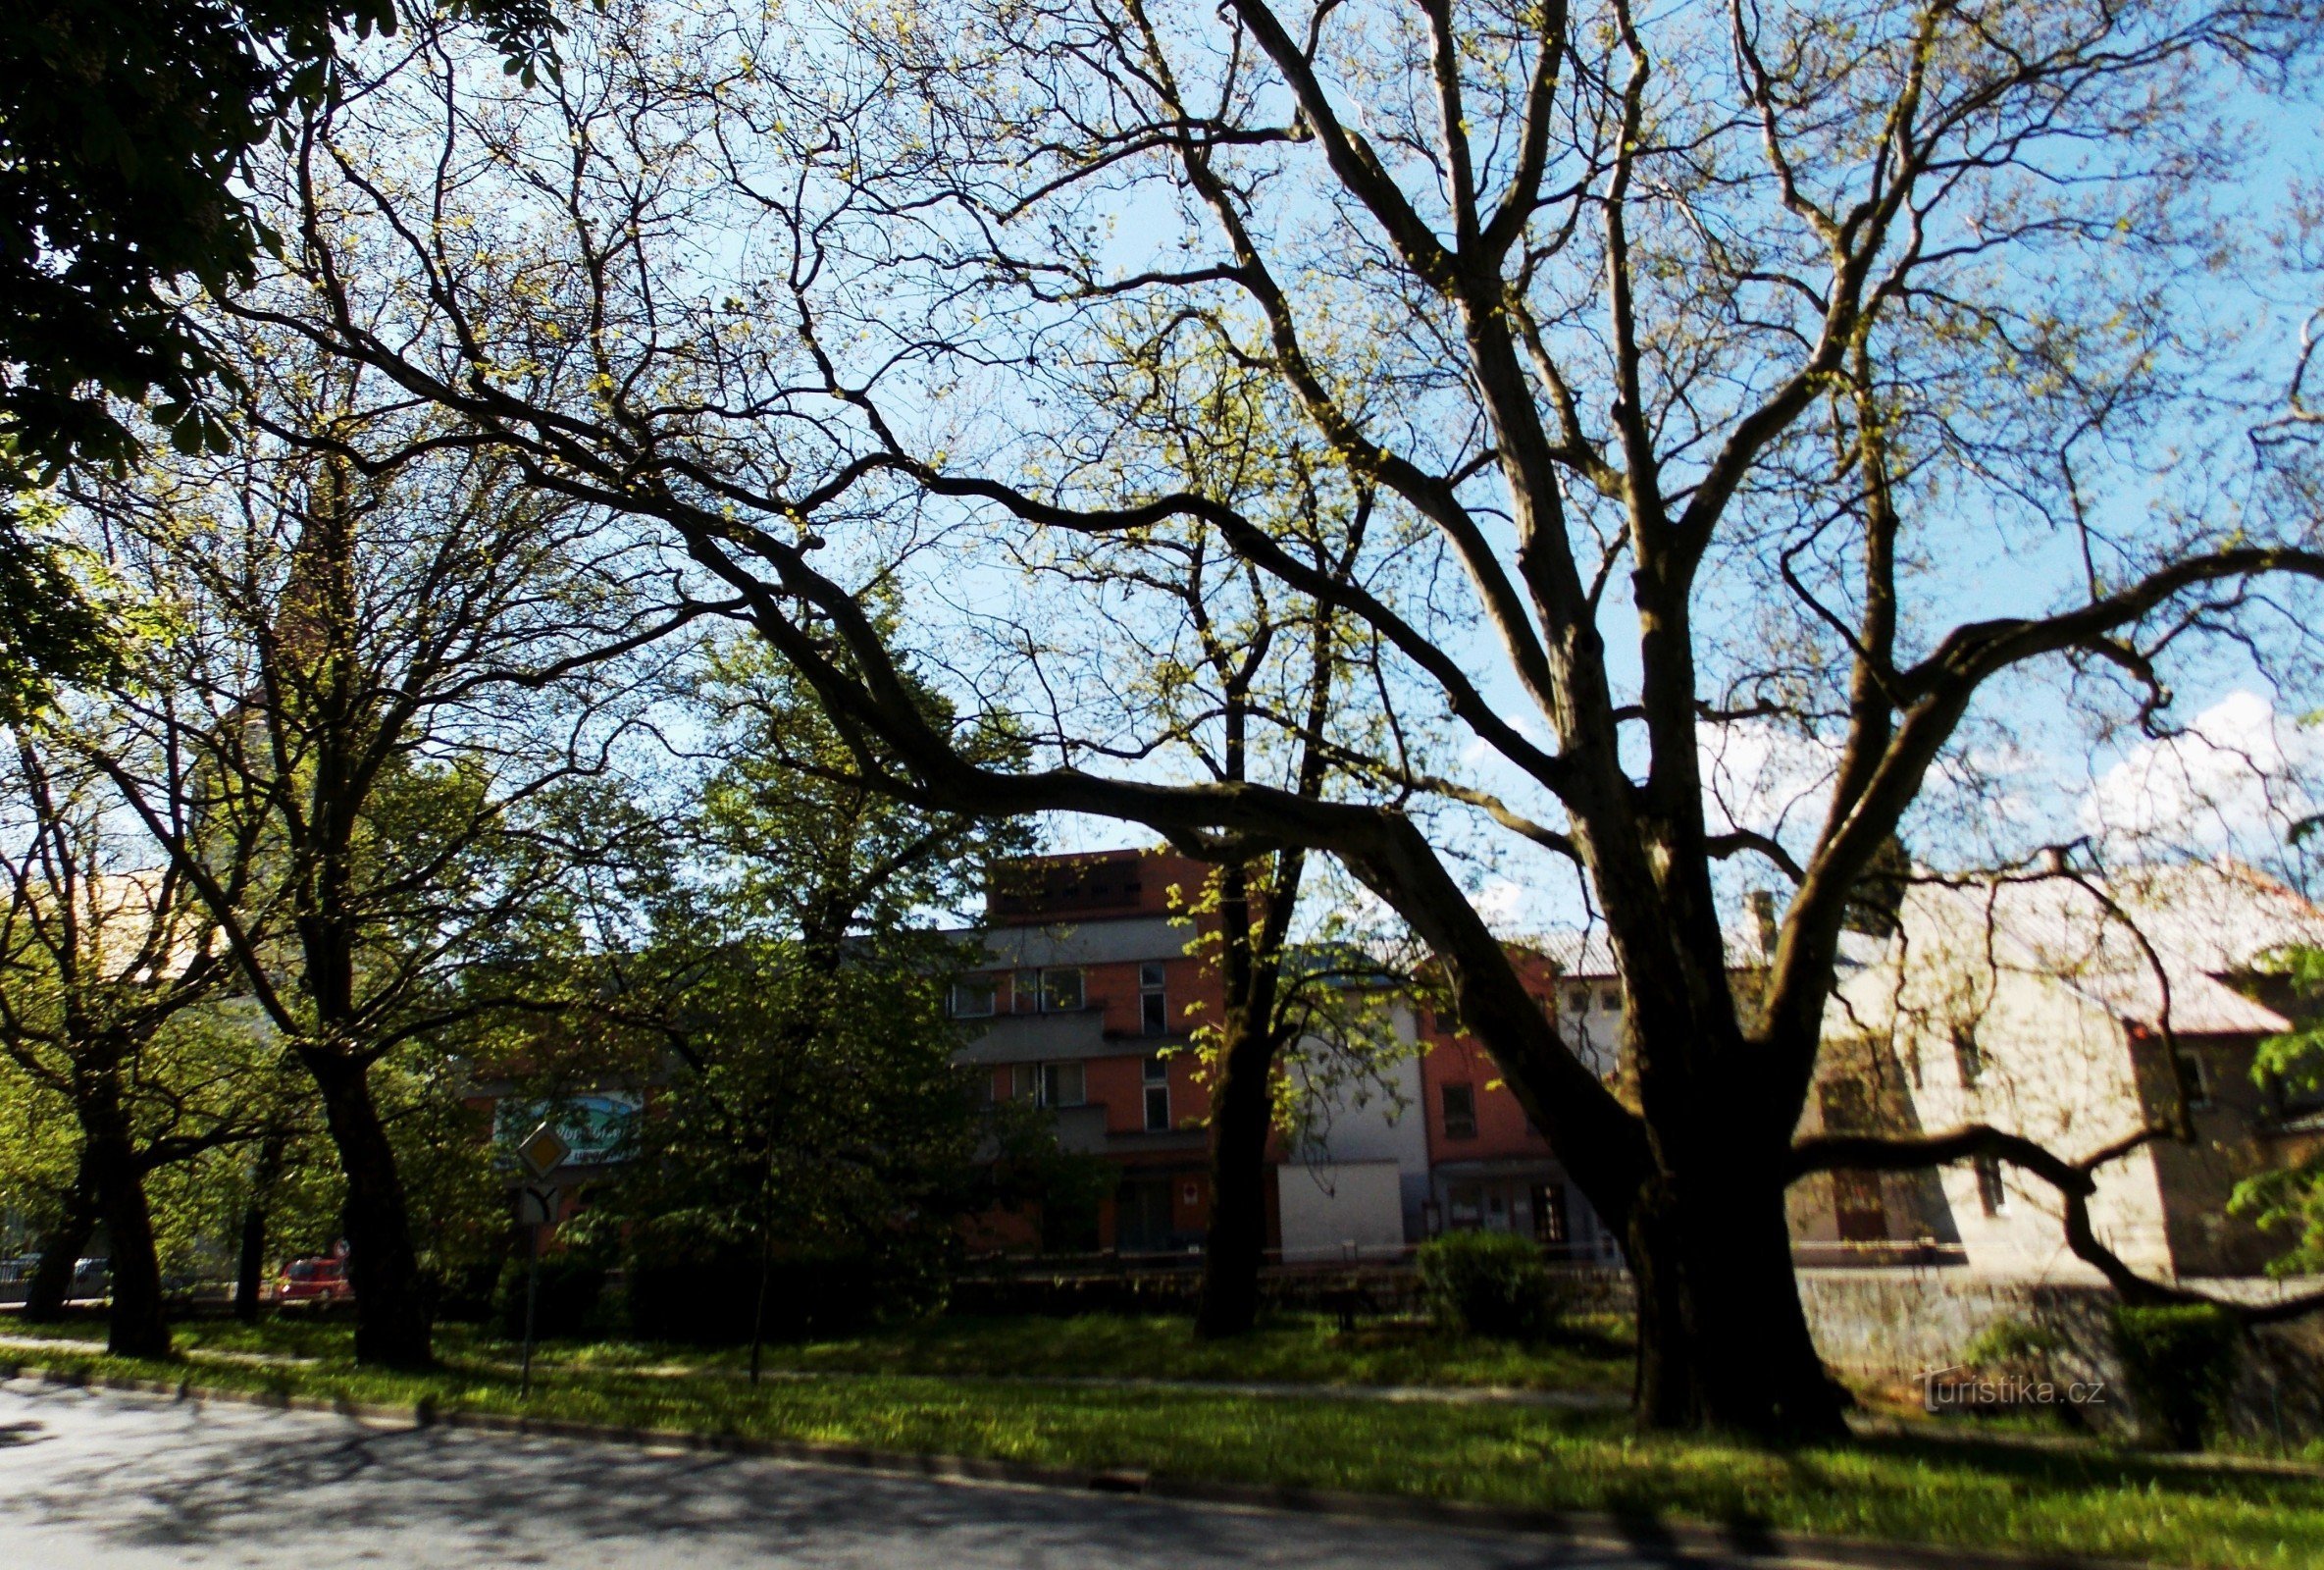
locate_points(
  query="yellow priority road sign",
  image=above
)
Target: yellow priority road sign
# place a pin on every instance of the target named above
(543, 1150)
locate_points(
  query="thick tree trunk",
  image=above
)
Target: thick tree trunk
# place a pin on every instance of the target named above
(250, 1267)
(46, 1293)
(136, 1327)
(1241, 1114)
(1723, 1343)
(392, 1327)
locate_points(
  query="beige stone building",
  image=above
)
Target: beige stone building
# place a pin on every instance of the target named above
(2074, 1011)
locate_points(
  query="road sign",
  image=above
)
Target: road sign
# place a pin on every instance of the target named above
(543, 1150)
(535, 1207)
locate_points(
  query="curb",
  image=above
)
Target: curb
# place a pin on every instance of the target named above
(1580, 1528)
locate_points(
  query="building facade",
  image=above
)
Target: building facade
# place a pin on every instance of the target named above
(2077, 1013)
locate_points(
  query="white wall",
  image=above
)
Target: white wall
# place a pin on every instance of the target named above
(1340, 1210)
(2057, 1069)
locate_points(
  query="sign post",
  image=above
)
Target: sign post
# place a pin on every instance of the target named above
(542, 1152)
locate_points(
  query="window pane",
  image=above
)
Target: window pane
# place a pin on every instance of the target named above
(1992, 1197)
(1157, 1070)
(1024, 1080)
(1157, 1109)
(1150, 976)
(1459, 1112)
(1968, 1055)
(1069, 1087)
(1061, 991)
(1153, 1013)
(1025, 987)
(972, 997)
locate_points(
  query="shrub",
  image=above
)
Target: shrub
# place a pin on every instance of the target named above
(567, 1303)
(710, 1299)
(2180, 1362)
(1489, 1284)
(2014, 1345)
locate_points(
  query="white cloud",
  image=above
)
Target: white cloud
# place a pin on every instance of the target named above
(1763, 776)
(1503, 902)
(2231, 781)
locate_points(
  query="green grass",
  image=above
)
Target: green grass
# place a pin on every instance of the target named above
(1297, 1350)
(2093, 1502)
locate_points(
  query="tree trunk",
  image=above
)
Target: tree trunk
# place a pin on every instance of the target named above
(1241, 1114)
(136, 1327)
(392, 1327)
(1723, 1343)
(45, 1294)
(250, 1267)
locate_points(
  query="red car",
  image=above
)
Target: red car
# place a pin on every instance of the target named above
(320, 1281)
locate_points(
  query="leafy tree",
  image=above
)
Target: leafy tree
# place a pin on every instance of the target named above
(1692, 354)
(793, 997)
(123, 127)
(111, 984)
(388, 655)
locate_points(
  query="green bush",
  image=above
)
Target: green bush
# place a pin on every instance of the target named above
(710, 1299)
(1488, 1283)
(2180, 1362)
(567, 1303)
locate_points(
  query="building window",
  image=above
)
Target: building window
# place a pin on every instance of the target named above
(1024, 991)
(1610, 1000)
(973, 997)
(2194, 1082)
(1970, 1056)
(1459, 1112)
(1061, 991)
(1049, 1085)
(1993, 1197)
(1154, 1009)
(1157, 1096)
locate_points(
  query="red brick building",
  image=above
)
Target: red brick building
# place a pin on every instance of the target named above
(1087, 1006)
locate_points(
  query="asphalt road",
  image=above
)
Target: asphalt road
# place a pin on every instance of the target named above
(125, 1483)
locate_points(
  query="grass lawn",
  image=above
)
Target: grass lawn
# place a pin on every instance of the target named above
(1290, 1348)
(2087, 1502)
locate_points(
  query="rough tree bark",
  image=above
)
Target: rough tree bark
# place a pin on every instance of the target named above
(136, 1326)
(1242, 1115)
(60, 1247)
(394, 1325)
(251, 1261)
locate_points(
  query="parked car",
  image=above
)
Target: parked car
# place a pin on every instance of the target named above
(91, 1277)
(16, 1276)
(319, 1281)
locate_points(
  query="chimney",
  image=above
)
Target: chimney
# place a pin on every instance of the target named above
(1761, 903)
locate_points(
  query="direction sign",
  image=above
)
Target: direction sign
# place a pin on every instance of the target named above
(543, 1150)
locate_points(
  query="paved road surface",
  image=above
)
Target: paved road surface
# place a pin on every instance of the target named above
(115, 1481)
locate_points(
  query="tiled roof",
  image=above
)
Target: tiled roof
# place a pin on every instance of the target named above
(2130, 940)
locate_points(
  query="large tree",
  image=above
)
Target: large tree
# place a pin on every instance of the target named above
(1816, 376)
(788, 1003)
(123, 127)
(111, 988)
(387, 660)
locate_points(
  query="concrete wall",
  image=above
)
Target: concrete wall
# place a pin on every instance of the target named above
(1374, 1113)
(1340, 1211)
(1889, 1327)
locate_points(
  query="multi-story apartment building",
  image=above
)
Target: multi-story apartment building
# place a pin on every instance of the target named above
(1086, 1008)
(1489, 1167)
(1095, 984)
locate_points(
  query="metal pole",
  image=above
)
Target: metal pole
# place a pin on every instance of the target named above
(532, 1292)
